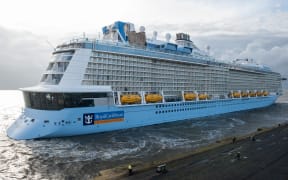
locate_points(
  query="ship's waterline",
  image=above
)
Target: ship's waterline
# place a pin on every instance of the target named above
(127, 80)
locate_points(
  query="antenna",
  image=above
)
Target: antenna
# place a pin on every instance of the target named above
(208, 49)
(154, 35)
(51, 45)
(168, 37)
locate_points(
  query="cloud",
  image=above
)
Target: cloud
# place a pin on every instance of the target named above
(268, 50)
(263, 38)
(274, 56)
(23, 57)
(264, 24)
(233, 29)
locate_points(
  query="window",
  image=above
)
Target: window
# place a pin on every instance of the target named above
(57, 101)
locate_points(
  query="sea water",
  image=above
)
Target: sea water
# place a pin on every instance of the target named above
(81, 157)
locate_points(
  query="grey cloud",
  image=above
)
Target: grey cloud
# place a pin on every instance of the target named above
(23, 57)
(269, 50)
(267, 24)
(263, 38)
(275, 56)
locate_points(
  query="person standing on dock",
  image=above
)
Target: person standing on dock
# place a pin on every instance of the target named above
(234, 140)
(130, 169)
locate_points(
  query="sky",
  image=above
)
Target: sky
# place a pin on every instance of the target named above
(233, 29)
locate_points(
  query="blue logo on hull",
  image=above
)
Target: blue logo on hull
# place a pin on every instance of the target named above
(88, 119)
(103, 117)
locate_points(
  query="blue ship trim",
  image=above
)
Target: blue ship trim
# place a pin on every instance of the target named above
(151, 54)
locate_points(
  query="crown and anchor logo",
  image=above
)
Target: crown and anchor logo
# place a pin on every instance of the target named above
(88, 119)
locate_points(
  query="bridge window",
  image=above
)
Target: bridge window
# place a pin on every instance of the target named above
(57, 101)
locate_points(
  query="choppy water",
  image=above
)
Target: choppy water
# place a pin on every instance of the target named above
(82, 157)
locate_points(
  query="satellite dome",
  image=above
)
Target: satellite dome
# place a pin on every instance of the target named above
(142, 29)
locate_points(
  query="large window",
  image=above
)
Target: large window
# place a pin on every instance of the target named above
(62, 55)
(57, 101)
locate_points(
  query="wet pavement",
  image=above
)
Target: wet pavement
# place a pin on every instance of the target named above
(264, 158)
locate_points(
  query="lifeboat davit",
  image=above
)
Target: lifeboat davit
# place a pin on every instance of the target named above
(130, 99)
(153, 98)
(190, 96)
(202, 96)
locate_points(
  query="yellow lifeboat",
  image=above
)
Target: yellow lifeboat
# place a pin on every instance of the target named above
(202, 96)
(190, 96)
(130, 99)
(259, 93)
(252, 94)
(236, 94)
(244, 94)
(265, 93)
(153, 98)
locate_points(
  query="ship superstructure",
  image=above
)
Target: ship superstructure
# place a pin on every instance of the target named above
(128, 80)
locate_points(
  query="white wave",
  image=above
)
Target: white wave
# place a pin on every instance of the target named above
(231, 125)
(169, 142)
(212, 134)
(110, 153)
(238, 121)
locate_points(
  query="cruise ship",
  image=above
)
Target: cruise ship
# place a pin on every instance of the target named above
(128, 80)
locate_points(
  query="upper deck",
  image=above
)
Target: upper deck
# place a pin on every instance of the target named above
(121, 38)
(124, 48)
(125, 60)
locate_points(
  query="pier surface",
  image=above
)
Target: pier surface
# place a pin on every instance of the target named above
(262, 157)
